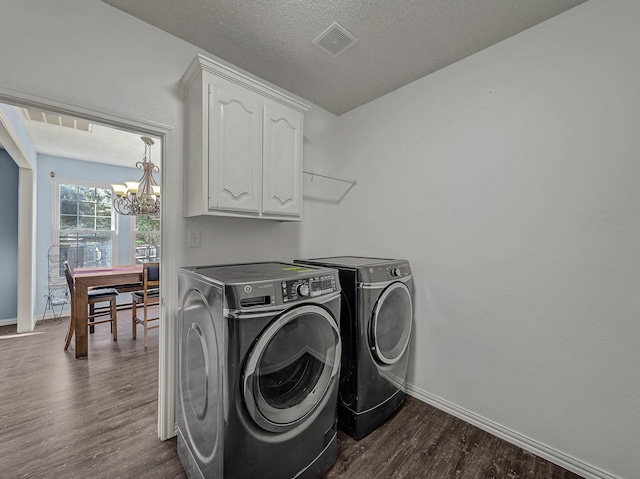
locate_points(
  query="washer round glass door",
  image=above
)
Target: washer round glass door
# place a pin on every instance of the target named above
(391, 323)
(292, 367)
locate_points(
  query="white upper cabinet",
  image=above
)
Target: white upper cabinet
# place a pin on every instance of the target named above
(282, 168)
(243, 146)
(235, 149)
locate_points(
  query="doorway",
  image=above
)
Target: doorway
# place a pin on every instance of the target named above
(27, 244)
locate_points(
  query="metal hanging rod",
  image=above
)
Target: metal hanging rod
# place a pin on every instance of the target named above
(313, 173)
(352, 183)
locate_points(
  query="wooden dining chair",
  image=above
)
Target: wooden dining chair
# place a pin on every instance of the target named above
(148, 296)
(100, 295)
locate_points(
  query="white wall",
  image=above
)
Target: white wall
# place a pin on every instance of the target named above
(510, 181)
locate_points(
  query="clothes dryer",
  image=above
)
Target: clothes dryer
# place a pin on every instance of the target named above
(376, 323)
(259, 359)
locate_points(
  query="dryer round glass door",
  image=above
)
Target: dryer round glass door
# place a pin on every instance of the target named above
(292, 367)
(391, 324)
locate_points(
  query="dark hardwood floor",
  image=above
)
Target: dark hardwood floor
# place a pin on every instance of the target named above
(96, 418)
(420, 441)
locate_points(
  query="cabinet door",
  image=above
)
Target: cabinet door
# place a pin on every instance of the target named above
(282, 162)
(235, 148)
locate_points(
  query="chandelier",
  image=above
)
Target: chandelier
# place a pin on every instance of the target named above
(139, 197)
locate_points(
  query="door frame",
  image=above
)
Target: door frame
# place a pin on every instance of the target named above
(169, 238)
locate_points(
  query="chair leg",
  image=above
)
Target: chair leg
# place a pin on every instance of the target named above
(133, 319)
(92, 311)
(145, 324)
(72, 327)
(114, 318)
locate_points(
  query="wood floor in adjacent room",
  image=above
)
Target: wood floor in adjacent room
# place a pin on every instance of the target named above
(62, 418)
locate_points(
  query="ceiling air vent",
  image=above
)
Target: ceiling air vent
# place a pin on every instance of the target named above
(55, 119)
(335, 40)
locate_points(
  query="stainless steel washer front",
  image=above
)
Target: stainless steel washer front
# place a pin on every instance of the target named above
(375, 325)
(259, 363)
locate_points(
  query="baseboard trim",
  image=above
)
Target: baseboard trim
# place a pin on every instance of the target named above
(8, 322)
(550, 454)
(50, 317)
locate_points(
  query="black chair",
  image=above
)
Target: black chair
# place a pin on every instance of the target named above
(149, 296)
(95, 296)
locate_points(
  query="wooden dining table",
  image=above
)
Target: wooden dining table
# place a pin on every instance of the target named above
(124, 278)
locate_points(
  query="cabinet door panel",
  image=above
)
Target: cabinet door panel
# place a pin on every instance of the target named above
(282, 163)
(235, 150)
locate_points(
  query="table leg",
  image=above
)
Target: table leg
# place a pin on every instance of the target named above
(81, 310)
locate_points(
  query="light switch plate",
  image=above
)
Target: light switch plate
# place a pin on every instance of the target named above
(193, 238)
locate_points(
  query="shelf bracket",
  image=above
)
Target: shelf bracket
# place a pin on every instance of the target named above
(352, 183)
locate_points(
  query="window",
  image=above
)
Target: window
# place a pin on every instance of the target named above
(84, 222)
(147, 239)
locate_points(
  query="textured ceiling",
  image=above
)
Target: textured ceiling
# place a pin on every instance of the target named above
(101, 144)
(399, 40)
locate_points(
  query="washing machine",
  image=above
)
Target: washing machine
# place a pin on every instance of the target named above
(376, 322)
(259, 360)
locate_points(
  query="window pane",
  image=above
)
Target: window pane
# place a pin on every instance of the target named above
(141, 239)
(69, 192)
(147, 247)
(75, 251)
(154, 224)
(87, 208)
(87, 222)
(68, 207)
(103, 195)
(87, 192)
(104, 208)
(154, 239)
(142, 223)
(68, 222)
(147, 239)
(103, 223)
(87, 249)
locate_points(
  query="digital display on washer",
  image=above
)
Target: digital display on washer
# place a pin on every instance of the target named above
(307, 287)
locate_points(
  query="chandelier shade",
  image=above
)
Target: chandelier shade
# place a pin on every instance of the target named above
(140, 197)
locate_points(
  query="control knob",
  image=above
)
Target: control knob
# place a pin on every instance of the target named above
(302, 290)
(394, 271)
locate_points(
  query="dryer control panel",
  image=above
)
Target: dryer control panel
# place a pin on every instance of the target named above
(293, 290)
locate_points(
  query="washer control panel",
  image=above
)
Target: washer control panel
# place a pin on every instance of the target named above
(308, 287)
(398, 270)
